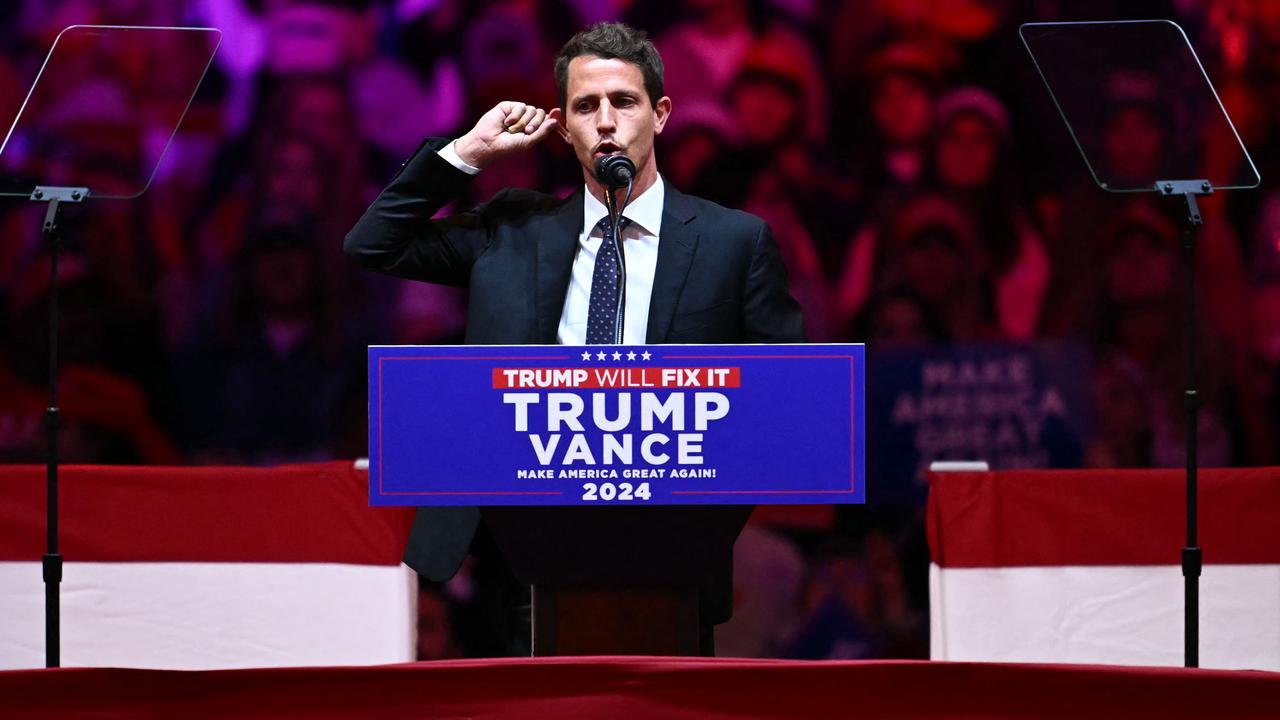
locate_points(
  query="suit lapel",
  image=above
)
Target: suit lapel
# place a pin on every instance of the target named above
(555, 248)
(676, 246)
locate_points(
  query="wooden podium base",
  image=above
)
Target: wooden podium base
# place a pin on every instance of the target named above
(632, 580)
(596, 621)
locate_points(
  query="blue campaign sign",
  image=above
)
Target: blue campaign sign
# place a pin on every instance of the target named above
(1009, 404)
(652, 424)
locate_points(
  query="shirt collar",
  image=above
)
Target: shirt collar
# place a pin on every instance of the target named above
(645, 211)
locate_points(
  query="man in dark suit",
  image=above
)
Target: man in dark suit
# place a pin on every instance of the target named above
(545, 270)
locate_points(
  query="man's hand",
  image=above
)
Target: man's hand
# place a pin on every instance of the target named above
(508, 128)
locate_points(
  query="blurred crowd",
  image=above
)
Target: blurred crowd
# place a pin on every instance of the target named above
(905, 153)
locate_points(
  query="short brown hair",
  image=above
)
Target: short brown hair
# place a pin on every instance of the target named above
(612, 41)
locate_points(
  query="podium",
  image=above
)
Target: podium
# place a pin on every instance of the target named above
(620, 580)
(615, 481)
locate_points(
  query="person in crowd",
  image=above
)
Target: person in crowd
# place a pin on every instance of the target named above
(701, 134)
(929, 249)
(1141, 323)
(304, 165)
(1127, 153)
(266, 385)
(900, 85)
(774, 172)
(947, 27)
(705, 50)
(971, 162)
(286, 186)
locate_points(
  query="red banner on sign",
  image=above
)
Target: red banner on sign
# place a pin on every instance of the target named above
(624, 377)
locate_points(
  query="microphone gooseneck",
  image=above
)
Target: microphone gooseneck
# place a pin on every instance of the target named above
(615, 172)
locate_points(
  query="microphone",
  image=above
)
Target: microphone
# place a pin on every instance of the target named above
(615, 170)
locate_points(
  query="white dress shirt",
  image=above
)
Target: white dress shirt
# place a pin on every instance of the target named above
(639, 247)
(450, 153)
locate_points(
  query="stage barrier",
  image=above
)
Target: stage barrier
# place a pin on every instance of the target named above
(1070, 566)
(210, 567)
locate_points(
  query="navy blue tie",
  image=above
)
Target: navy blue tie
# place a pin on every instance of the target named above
(604, 314)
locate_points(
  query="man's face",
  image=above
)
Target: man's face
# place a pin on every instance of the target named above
(607, 110)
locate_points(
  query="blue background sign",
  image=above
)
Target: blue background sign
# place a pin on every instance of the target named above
(1013, 405)
(653, 424)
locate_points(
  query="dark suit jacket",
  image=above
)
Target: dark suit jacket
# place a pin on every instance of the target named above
(719, 279)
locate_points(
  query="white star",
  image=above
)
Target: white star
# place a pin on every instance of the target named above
(631, 356)
(617, 356)
(646, 355)
(600, 356)
(586, 354)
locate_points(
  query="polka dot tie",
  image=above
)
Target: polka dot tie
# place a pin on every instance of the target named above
(604, 316)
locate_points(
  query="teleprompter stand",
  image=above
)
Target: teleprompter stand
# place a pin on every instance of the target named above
(52, 561)
(46, 159)
(1099, 73)
(1192, 562)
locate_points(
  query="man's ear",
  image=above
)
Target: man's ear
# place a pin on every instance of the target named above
(557, 115)
(661, 111)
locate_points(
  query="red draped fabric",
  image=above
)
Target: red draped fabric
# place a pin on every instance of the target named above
(647, 688)
(295, 513)
(1100, 517)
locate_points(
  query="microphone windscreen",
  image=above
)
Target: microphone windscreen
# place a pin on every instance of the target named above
(615, 170)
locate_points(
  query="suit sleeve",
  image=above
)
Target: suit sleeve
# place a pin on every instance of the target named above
(770, 313)
(397, 235)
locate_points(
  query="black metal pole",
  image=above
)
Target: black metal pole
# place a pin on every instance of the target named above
(52, 565)
(1191, 556)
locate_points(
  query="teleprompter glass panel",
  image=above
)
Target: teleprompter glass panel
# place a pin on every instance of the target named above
(104, 108)
(1138, 104)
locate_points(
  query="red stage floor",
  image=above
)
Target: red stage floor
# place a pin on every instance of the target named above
(647, 688)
